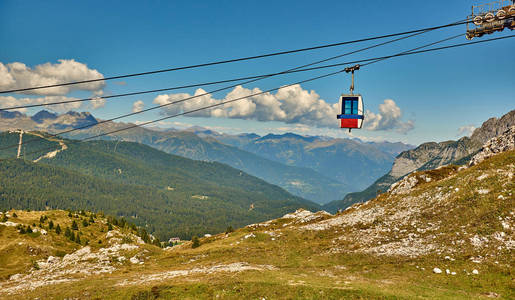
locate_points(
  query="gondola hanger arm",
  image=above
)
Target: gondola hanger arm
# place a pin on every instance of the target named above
(351, 70)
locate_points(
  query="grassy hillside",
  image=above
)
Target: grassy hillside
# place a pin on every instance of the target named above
(169, 195)
(460, 221)
(20, 250)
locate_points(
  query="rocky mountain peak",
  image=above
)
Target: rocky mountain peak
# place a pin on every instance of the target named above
(5, 114)
(44, 115)
(502, 143)
(493, 127)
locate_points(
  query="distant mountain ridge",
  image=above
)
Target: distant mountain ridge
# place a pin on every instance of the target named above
(348, 161)
(429, 156)
(45, 120)
(300, 181)
(317, 168)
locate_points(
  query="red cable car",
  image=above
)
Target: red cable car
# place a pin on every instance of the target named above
(351, 106)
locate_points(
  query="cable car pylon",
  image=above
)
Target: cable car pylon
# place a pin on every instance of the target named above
(351, 106)
(491, 17)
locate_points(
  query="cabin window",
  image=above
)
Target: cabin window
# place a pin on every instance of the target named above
(350, 107)
(354, 107)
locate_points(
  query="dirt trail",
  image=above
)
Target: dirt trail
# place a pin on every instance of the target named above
(50, 154)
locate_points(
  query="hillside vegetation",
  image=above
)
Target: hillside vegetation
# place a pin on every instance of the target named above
(429, 156)
(167, 194)
(303, 182)
(438, 234)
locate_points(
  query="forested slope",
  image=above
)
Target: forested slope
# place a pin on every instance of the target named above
(171, 195)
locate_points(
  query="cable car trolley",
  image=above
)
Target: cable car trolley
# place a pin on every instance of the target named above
(351, 106)
(491, 17)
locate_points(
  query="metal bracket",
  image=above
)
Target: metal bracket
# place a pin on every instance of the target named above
(351, 70)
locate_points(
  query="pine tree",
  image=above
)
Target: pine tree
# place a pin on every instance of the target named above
(77, 239)
(72, 236)
(50, 225)
(4, 218)
(29, 230)
(15, 215)
(109, 227)
(58, 229)
(74, 225)
(229, 229)
(22, 230)
(196, 242)
(91, 220)
(41, 219)
(85, 223)
(67, 232)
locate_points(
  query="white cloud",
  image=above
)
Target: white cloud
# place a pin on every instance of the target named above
(466, 130)
(388, 118)
(17, 75)
(10, 101)
(291, 105)
(98, 101)
(138, 106)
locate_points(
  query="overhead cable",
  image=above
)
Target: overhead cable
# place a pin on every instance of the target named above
(241, 98)
(234, 59)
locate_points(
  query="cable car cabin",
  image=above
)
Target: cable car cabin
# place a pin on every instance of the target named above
(351, 107)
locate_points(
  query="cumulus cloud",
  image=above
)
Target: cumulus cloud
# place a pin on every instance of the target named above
(98, 101)
(17, 75)
(10, 101)
(388, 118)
(138, 106)
(290, 104)
(466, 130)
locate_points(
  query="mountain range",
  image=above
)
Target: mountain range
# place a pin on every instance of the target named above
(320, 169)
(429, 156)
(435, 234)
(167, 194)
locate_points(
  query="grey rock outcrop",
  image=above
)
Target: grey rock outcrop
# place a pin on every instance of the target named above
(493, 127)
(499, 144)
(431, 155)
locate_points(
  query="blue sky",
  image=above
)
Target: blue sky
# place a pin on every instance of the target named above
(436, 93)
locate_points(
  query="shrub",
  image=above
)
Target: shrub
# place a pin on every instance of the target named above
(50, 225)
(195, 242)
(74, 225)
(58, 229)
